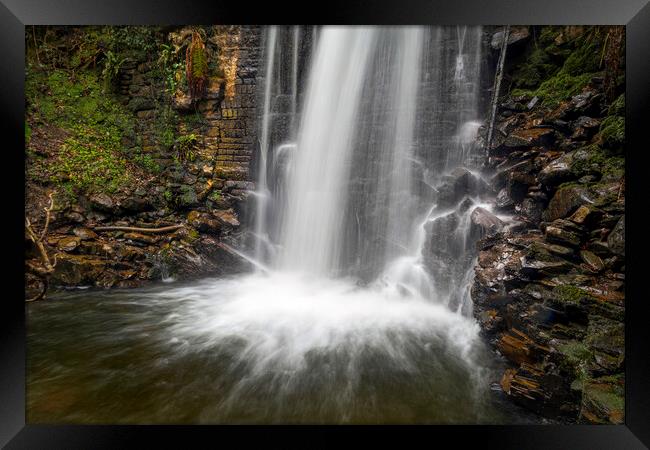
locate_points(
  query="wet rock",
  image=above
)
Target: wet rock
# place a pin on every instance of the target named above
(75, 217)
(204, 222)
(68, 244)
(517, 347)
(142, 238)
(586, 215)
(532, 210)
(484, 222)
(534, 268)
(137, 204)
(517, 38)
(588, 103)
(566, 200)
(76, 270)
(616, 239)
(606, 339)
(592, 260)
(561, 232)
(603, 400)
(102, 202)
(84, 233)
(503, 200)
(584, 128)
(460, 183)
(228, 218)
(558, 171)
(532, 137)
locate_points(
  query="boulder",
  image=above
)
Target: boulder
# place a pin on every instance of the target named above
(517, 38)
(460, 183)
(584, 128)
(563, 232)
(503, 200)
(228, 217)
(102, 202)
(531, 137)
(204, 222)
(592, 260)
(566, 200)
(68, 244)
(557, 171)
(586, 215)
(603, 400)
(483, 222)
(84, 233)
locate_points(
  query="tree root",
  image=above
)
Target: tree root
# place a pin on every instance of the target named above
(140, 230)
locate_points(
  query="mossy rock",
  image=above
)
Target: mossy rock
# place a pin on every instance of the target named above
(593, 160)
(617, 108)
(537, 67)
(612, 133)
(603, 400)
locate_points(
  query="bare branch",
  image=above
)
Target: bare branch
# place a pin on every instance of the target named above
(141, 230)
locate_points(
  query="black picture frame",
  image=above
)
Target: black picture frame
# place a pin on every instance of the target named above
(15, 14)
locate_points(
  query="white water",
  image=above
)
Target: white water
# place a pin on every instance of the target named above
(262, 188)
(319, 170)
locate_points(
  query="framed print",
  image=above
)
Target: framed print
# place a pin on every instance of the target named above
(404, 219)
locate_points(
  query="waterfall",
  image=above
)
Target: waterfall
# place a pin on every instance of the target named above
(262, 186)
(390, 117)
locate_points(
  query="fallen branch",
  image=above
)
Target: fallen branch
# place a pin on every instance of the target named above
(43, 270)
(140, 230)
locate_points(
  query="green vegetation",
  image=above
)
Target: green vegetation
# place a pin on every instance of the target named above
(91, 155)
(577, 357)
(593, 160)
(185, 146)
(196, 66)
(571, 294)
(215, 196)
(556, 72)
(612, 133)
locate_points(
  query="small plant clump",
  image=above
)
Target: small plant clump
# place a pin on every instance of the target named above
(196, 66)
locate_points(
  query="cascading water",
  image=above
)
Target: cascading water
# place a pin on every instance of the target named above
(368, 178)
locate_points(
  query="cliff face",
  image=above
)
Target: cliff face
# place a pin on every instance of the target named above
(549, 291)
(114, 135)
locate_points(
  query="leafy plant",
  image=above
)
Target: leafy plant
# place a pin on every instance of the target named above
(196, 67)
(185, 146)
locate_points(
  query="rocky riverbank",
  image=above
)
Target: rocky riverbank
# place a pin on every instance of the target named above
(549, 291)
(149, 179)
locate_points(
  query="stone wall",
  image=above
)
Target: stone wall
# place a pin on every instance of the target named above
(224, 122)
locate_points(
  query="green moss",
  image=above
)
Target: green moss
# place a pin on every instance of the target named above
(562, 86)
(556, 73)
(617, 108)
(215, 196)
(571, 294)
(166, 127)
(612, 133)
(92, 156)
(577, 357)
(84, 165)
(593, 160)
(536, 68)
(192, 234)
(585, 58)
